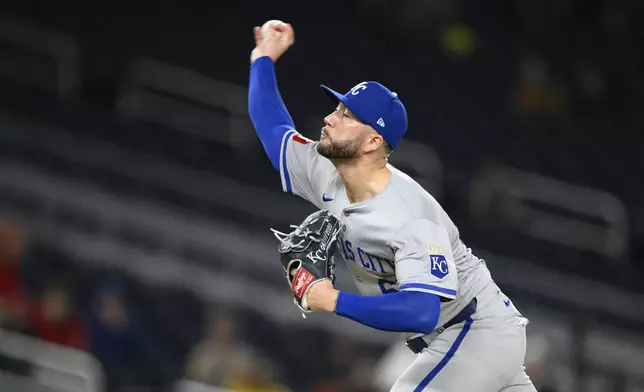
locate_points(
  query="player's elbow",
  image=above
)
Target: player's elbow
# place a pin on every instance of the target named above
(427, 322)
(428, 311)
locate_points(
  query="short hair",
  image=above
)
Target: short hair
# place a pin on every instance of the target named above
(388, 149)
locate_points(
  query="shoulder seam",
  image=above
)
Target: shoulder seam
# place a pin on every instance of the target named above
(414, 217)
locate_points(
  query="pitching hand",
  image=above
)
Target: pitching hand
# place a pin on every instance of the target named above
(277, 41)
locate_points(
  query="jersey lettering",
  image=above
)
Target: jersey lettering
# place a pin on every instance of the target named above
(350, 255)
(371, 258)
(368, 261)
(342, 249)
(362, 260)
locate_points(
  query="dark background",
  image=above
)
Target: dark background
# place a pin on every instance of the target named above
(114, 112)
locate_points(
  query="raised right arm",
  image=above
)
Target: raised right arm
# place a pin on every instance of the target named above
(267, 110)
(302, 170)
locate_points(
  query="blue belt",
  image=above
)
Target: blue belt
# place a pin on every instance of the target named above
(418, 344)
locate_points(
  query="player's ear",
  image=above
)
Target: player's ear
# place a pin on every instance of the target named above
(373, 142)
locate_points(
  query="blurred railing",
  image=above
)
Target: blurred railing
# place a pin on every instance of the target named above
(545, 208)
(33, 141)
(39, 57)
(51, 367)
(182, 99)
(54, 368)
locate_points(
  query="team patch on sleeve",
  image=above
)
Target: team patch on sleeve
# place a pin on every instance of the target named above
(438, 263)
(301, 139)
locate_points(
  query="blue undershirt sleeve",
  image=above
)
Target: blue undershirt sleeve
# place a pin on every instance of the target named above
(404, 311)
(266, 108)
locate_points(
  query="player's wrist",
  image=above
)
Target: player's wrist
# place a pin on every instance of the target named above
(260, 56)
(328, 302)
(334, 301)
(321, 296)
(340, 301)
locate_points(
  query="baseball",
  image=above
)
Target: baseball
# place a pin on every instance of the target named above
(269, 25)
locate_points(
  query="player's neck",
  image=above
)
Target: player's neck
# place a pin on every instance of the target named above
(363, 181)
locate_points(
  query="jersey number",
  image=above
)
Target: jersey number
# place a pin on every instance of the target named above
(386, 286)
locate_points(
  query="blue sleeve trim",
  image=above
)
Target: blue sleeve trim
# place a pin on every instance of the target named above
(266, 108)
(404, 311)
(428, 288)
(286, 178)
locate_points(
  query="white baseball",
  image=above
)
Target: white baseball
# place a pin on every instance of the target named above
(269, 25)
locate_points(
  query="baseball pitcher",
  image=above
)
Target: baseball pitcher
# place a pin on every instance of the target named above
(414, 274)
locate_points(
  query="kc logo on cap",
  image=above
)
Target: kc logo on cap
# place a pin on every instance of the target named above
(358, 87)
(377, 106)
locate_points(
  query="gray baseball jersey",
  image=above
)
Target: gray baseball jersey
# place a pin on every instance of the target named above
(401, 239)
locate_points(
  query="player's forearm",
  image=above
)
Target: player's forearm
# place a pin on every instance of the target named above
(267, 110)
(404, 311)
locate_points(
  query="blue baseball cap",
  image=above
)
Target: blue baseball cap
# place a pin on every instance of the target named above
(376, 105)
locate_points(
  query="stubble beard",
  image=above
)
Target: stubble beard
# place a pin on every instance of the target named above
(347, 149)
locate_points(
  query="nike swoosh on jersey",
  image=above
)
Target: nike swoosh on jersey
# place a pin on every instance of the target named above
(325, 199)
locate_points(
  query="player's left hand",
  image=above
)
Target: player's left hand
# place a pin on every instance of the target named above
(307, 258)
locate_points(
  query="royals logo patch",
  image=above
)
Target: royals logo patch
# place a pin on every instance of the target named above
(438, 263)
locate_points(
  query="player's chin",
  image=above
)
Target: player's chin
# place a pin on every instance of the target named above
(324, 148)
(324, 145)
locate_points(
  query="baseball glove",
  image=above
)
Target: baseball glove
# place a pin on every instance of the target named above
(309, 250)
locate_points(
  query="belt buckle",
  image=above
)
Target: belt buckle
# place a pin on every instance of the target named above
(416, 345)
